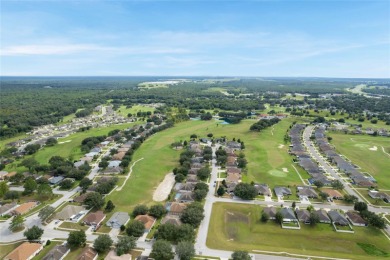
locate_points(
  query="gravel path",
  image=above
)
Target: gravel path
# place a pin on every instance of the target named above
(164, 188)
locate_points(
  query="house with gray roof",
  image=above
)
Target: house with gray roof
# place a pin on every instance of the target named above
(118, 219)
(379, 195)
(322, 216)
(303, 215)
(4, 209)
(57, 253)
(113, 164)
(288, 215)
(186, 197)
(70, 211)
(271, 212)
(55, 180)
(338, 218)
(306, 191)
(282, 191)
(263, 189)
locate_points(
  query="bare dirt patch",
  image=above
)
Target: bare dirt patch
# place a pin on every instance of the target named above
(164, 188)
(281, 146)
(374, 148)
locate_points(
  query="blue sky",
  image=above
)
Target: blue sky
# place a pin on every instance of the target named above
(210, 38)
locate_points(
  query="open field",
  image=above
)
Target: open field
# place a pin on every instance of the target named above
(238, 227)
(133, 110)
(357, 149)
(262, 151)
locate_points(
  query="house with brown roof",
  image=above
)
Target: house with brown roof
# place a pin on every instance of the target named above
(231, 161)
(186, 197)
(119, 156)
(147, 220)
(94, 218)
(176, 208)
(25, 251)
(334, 194)
(9, 175)
(233, 177)
(356, 219)
(81, 198)
(233, 170)
(24, 208)
(171, 219)
(88, 254)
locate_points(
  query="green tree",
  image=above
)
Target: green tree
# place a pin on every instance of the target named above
(199, 195)
(44, 191)
(66, 184)
(162, 250)
(157, 211)
(135, 228)
(51, 141)
(30, 163)
(245, 191)
(102, 243)
(85, 183)
(220, 191)
(360, 206)
(241, 255)
(45, 212)
(185, 250)
(11, 195)
(193, 214)
(318, 183)
(350, 198)
(16, 223)
(264, 216)
(33, 233)
(336, 184)
(94, 200)
(125, 245)
(140, 210)
(203, 173)
(279, 217)
(3, 188)
(314, 219)
(76, 239)
(323, 195)
(30, 185)
(109, 206)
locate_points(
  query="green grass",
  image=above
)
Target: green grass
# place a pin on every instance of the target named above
(6, 249)
(261, 150)
(72, 225)
(237, 234)
(356, 148)
(372, 250)
(3, 142)
(73, 254)
(133, 110)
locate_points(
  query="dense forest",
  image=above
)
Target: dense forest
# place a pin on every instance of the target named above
(27, 102)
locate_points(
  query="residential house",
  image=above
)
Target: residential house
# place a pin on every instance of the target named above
(176, 208)
(234, 145)
(338, 218)
(263, 189)
(171, 219)
(9, 175)
(24, 208)
(322, 216)
(4, 209)
(70, 211)
(356, 219)
(231, 161)
(91, 154)
(78, 164)
(303, 215)
(25, 251)
(2, 174)
(113, 256)
(186, 197)
(307, 192)
(81, 198)
(233, 178)
(147, 220)
(188, 186)
(118, 219)
(271, 212)
(88, 254)
(113, 163)
(282, 191)
(234, 170)
(288, 215)
(379, 195)
(230, 187)
(118, 156)
(94, 218)
(55, 180)
(57, 253)
(123, 149)
(334, 194)
(95, 150)
(192, 178)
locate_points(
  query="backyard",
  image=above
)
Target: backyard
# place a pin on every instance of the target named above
(238, 227)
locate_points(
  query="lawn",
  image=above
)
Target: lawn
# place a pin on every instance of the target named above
(237, 227)
(133, 110)
(72, 225)
(357, 149)
(6, 249)
(73, 254)
(46, 250)
(266, 160)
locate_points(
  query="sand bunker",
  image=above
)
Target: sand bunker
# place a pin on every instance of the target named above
(281, 146)
(284, 169)
(277, 173)
(65, 142)
(164, 188)
(374, 148)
